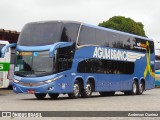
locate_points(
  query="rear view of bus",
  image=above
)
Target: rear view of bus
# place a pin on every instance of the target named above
(4, 65)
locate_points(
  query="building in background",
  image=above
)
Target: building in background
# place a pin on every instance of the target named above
(9, 35)
(12, 37)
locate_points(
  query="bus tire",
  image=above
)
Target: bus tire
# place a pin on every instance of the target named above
(107, 93)
(76, 90)
(87, 91)
(40, 96)
(134, 90)
(141, 88)
(53, 95)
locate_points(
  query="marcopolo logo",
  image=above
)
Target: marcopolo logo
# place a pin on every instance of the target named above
(114, 54)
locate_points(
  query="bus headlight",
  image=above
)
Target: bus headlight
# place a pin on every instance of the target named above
(54, 79)
(16, 81)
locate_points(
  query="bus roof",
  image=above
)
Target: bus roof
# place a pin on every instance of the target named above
(97, 27)
(4, 42)
(62, 21)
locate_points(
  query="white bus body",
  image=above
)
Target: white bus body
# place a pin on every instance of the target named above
(4, 65)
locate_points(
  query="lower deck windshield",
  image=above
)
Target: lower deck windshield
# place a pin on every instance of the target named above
(33, 64)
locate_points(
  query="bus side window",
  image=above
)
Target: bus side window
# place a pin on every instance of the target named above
(64, 58)
(87, 36)
(108, 67)
(102, 37)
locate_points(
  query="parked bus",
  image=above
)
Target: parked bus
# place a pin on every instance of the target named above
(157, 70)
(65, 57)
(4, 65)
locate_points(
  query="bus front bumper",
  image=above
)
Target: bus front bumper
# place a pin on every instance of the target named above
(46, 88)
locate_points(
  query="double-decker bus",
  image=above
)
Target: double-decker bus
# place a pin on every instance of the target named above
(4, 65)
(74, 58)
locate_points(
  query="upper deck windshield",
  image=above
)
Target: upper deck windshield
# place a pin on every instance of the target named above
(33, 64)
(47, 33)
(37, 34)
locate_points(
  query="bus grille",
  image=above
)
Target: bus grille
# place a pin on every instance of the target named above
(30, 84)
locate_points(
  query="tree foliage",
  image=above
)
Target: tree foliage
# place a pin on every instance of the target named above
(124, 24)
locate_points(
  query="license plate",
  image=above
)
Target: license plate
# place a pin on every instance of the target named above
(31, 91)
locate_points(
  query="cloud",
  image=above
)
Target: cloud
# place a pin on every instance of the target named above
(14, 14)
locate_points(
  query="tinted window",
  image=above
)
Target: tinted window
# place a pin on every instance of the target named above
(125, 42)
(64, 58)
(69, 32)
(87, 36)
(95, 36)
(1, 46)
(13, 52)
(113, 40)
(105, 67)
(135, 44)
(157, 65)
(157, 57)
(102, 37)
(35, 34)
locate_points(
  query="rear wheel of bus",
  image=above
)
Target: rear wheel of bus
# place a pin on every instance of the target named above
(76, 90)
(40, 95)
(134, 90)
(53, 95)
(87, 91)
(141, 88)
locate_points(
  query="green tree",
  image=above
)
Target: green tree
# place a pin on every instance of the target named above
(124, 24)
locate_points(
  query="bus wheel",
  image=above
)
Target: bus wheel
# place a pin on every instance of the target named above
(53, 95)
(107, 93)
(87, 91)
(76, 90)
(40, 95)
(141, 88)
(134, 89)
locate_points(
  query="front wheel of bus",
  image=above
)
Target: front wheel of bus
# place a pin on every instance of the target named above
(76, 90)
(53, 95)
(87, 91)
(40, 95)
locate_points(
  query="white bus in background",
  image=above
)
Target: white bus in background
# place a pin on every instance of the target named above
(157, 63)
(4, 65)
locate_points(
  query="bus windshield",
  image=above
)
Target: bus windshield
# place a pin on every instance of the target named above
(39, 34)
(33, 64)
(1, 46)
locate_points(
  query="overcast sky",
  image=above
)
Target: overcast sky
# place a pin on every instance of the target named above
(15, 13)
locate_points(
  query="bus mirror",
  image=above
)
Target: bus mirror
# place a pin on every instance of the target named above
(58, 45)
(3, 50)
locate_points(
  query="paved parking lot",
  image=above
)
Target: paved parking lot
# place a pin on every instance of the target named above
(149, 101)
